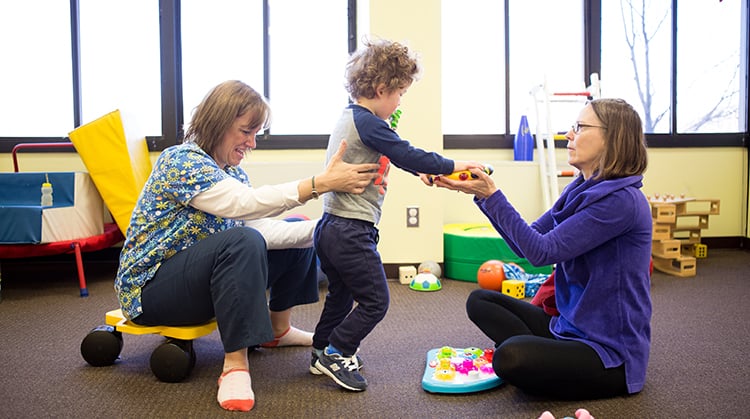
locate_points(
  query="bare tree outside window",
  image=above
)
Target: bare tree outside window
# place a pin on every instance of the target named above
(724, 110)
(639, 33)
(708, 61)
(636, 62)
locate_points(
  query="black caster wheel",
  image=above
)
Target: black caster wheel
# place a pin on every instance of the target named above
(102, 346)
(173, 360)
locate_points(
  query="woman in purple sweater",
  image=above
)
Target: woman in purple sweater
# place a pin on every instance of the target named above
(599, 235)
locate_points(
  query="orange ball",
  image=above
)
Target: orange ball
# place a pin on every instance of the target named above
(491, 275)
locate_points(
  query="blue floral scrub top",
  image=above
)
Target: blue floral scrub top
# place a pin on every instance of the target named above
(163, 223)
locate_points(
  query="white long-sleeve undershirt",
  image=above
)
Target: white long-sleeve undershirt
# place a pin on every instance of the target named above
(231, 198)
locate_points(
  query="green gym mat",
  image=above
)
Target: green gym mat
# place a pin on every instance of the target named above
(467, 246)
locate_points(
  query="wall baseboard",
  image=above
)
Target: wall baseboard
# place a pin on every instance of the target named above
(112, 254)
(736, 242)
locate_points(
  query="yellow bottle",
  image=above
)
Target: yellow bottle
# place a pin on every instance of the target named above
(46, 192)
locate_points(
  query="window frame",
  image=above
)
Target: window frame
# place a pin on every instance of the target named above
(592, 64)
(172, 105)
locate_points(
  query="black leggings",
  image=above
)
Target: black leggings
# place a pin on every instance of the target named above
(529, 357)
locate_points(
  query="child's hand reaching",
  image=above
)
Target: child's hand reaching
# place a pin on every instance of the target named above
(459, 165)
(426, 179)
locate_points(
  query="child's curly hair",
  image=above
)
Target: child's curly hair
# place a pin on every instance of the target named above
(380, 61)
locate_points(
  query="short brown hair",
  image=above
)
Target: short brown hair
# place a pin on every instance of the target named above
(218, 110)
(380, 62)
(625, 151)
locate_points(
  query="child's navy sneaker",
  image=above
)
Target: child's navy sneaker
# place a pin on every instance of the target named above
(314, 370)
(343, 370)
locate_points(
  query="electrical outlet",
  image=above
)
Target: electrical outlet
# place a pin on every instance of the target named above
(412, 216)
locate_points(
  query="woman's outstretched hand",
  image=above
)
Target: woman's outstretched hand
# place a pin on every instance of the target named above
(480, 185)
(341, 176)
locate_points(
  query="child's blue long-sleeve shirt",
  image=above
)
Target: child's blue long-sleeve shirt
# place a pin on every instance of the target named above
(370, 139)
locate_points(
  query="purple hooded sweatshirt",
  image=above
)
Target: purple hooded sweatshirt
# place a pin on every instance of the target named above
(599, 235)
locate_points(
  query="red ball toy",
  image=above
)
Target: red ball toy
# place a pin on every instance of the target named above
(491, 275)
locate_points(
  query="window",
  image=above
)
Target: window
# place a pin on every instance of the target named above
(638, 68)
(119, 58)
(544, 48)
(308, 52)
(122, 48)
(710, 70)
(473, 67)
(305, 73)
(36, 99)
(68, 62)
(219, 46)
(640, 63)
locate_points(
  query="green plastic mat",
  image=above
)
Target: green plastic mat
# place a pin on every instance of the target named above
(467, 246)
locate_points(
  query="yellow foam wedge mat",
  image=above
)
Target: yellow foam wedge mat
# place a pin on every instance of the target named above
(119, 164)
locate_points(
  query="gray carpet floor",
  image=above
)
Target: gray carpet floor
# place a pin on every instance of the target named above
(698, 362)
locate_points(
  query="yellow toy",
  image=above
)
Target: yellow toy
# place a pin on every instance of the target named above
(514, 288)
(172, 361)
(700, 250)
(463, 174)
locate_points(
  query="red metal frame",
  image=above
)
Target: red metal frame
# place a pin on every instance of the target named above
(110, 237)
(21, 146)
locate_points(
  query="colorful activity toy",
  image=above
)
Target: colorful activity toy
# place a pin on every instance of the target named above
(459, 370)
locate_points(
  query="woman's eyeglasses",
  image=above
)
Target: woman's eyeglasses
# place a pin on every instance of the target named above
(577, 127)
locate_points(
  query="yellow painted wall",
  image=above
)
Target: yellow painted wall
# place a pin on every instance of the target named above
(716, 173)
(417, 25)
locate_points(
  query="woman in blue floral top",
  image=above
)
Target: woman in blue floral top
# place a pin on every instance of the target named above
(200, 244)
(599, 235)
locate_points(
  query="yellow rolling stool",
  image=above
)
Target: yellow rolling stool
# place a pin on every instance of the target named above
(172, 361)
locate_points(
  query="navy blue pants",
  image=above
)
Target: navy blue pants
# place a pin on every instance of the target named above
(349, 257)
(225, 276)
